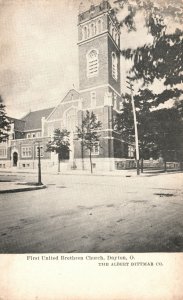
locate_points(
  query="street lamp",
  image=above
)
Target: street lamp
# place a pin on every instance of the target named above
(135, 124)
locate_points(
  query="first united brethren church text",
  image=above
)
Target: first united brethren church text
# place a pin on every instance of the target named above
(63, 257)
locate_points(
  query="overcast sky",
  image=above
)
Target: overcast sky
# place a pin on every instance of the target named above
(38, 52)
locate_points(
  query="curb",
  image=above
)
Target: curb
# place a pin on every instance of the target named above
(95, 174)
(128, 173)
(26, 189)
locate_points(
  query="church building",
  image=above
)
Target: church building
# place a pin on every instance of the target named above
(99, 91)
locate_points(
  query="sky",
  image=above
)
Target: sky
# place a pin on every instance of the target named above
(39, 53)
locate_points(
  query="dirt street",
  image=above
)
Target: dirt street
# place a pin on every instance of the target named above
(94, 214)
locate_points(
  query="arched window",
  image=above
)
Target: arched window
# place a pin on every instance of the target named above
(92, 63)
(114, 66)
(113, 33)
(99, 26)
(85, 32)
(92, 29)
(116, 38)
(71, 120)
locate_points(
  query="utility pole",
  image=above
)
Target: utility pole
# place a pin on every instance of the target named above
(135, 124)
(82, 146)
(39, 163)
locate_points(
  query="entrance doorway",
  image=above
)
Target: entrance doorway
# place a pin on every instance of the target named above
(15, 159)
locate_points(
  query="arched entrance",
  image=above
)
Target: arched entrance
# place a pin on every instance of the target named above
(15, 159)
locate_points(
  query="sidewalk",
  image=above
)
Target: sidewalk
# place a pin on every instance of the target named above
(12, 187)
(127, 173)
(123, 173)
(116, 173)
(8, 186)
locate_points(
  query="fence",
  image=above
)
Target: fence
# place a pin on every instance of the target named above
(147, 164)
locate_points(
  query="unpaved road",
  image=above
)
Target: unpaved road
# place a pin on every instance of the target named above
(94, 214)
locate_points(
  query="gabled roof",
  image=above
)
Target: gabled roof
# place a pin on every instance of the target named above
(71, 95)
(33, 119)
(19, 125)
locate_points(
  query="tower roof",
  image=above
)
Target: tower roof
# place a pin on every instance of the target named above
(94, 11)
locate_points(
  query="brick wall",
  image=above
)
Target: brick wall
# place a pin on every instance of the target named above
(100, 43)
(86, 96)
(87, 21)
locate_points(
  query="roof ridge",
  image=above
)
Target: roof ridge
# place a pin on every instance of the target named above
(15, 119)
(62, 101)
(25, 115)
(42, 109)
(49, 108)
(68, 93)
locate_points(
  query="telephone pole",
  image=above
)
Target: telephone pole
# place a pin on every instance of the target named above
(135, 124)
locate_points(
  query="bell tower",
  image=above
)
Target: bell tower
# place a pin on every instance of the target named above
(99, 48)
(99, 69)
